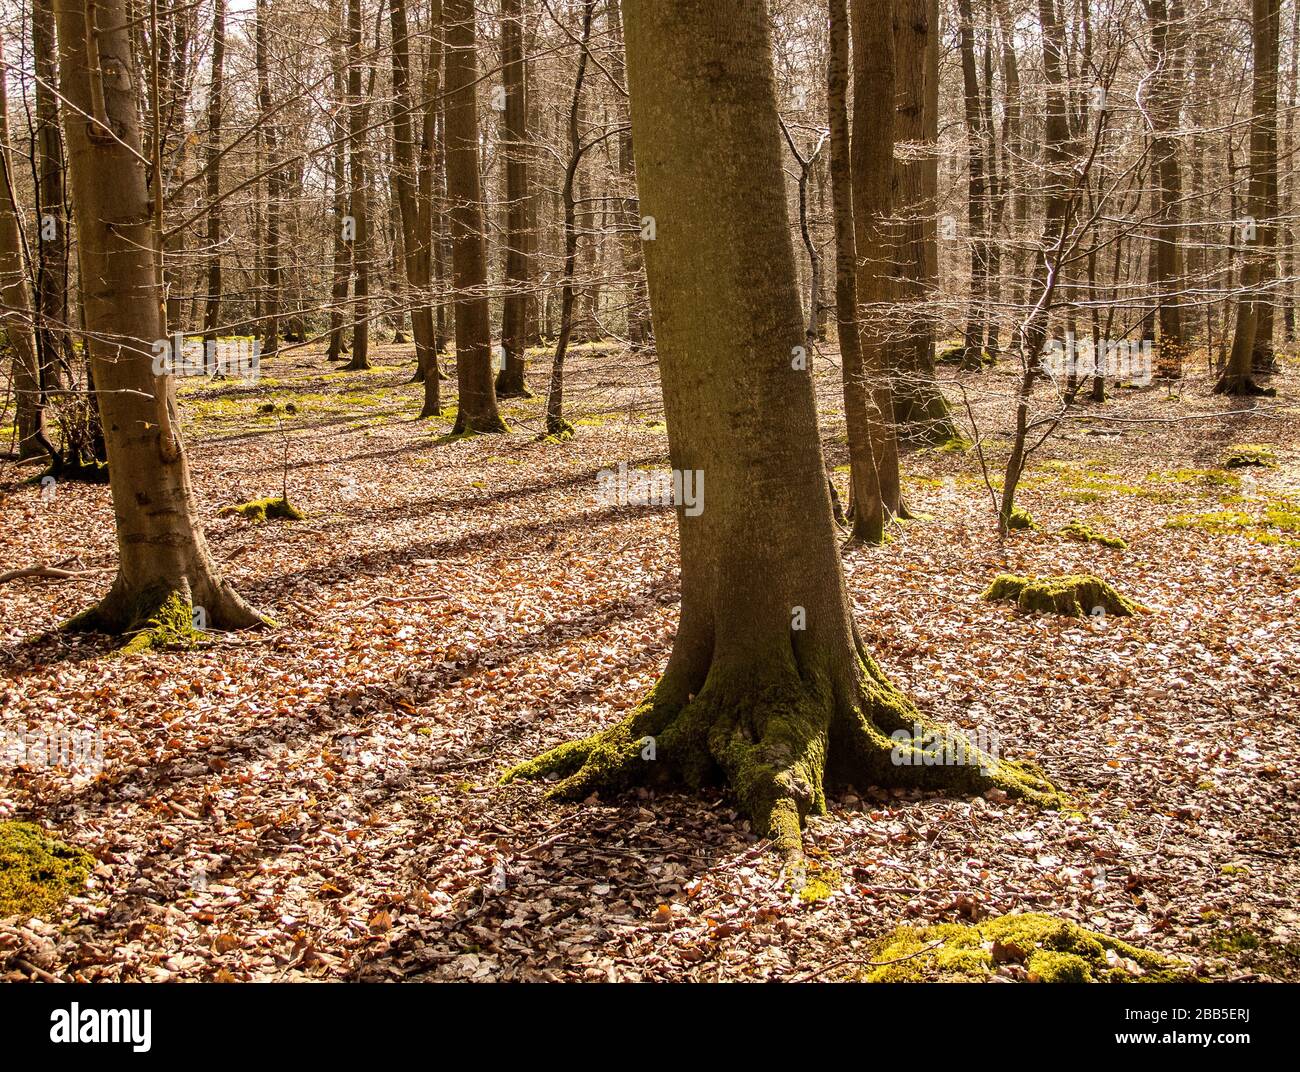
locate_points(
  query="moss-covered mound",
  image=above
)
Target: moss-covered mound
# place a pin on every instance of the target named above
(37, 874)
(1044, 948)
(275, 509)
(1085, 533)
(1250, 455)
(1021, 520)
(1074, 595)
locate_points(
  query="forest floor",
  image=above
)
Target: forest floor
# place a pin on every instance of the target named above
(320, 800)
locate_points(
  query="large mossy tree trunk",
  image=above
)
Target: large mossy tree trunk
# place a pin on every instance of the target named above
(477, 403)
(768, 686)
(164, 566)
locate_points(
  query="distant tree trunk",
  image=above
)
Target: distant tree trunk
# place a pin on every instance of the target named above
(556, 425)
(267, 132)
(54, 332)
(416, 237)
(163, 560)
(1289, 235)
(977, 308)
(360, 194)
(1263, 356)
(1236, 378)
(338, 176)
(921, 413)
(877, 238)
(477, 404)
(216, 91)
(867, 425)
(638, 303)
(769, 686)
(1168, 57)
(430, 196)
(512, 381)
(15, 299)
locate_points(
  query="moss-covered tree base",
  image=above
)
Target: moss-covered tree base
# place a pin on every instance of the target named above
(778, 744)
(162, 618)
(1073, 595)
(270, 509)
(1045, 949)
(1084, 533)
(923, 417)
(37, 873)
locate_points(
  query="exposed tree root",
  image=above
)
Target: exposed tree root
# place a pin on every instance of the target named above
(1242, 385)
(777, 745)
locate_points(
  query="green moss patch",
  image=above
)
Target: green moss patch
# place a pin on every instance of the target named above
(37, 873)
(1021, 520)
(1276, 522)
(170, 626)
(272, 509)
(1073, 595)
(1045, 949)
(1085, 533)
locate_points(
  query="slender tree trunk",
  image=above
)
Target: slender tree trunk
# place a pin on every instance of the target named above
(54, 332)
(878, 240)
(1168, 55)
(976, 135)
(768, 686)
(512, 381)
(15, 298)
(865, 422)
(359, 159)
(216, 93)
(164, 566)
(342, 225)
(269, 330)
(415, 234)
(921, 413)
(638, 303)
(477, 403)
(556, 425)
(1263, 356)
(1236, 378)
(430, 195)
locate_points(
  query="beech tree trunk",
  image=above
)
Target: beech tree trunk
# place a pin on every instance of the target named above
(477, 403)
(512, 380)
(768, 687)
(53, 330)
(269, 329)
(163, 559)
(15, 298)
(1168, 55)
(216, 91)
(921, 413)
(879, 248)
(416, 235)
(359, 176)
(1246, 345)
